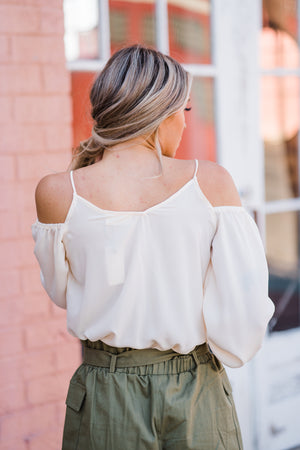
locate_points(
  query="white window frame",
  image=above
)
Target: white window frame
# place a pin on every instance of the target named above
(162, 42)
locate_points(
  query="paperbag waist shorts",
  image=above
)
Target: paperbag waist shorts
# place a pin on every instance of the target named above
(122, 398)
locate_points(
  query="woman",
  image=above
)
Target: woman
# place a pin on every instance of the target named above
(161, 270)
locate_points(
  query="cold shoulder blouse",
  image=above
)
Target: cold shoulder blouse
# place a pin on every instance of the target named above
(174, 276)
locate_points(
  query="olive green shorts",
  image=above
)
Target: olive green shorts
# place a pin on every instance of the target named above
(120, 398)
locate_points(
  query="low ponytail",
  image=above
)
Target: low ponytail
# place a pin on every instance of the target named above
(138, 88)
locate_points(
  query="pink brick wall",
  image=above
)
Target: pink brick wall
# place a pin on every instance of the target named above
(37, 355)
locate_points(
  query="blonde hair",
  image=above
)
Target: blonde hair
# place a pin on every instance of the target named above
(138, 88)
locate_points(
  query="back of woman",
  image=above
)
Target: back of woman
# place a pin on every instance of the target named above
(160, 268)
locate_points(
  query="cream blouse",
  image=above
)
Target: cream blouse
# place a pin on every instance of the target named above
(174, 276)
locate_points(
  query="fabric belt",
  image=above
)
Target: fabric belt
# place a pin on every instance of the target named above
(135, 358)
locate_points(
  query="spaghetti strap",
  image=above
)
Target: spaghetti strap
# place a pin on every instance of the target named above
(196, 167)
(72, 182)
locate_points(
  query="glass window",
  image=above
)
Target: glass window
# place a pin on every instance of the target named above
(199, 140)
(280, 98)
(283, 258)
(280, 126)
(280, 131)
(279, 36)
(190, 31)
(81, 29)
(131, 22)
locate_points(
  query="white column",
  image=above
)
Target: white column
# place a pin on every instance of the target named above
(236, 28)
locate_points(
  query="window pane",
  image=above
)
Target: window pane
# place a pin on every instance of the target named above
(283, 258)
(131, 22)
(81, 29)
(279, 35)
(190, 31)
(199, 140)
(280, 125)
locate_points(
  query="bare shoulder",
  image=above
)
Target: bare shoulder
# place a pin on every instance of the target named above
(53, 196)
(217, 184)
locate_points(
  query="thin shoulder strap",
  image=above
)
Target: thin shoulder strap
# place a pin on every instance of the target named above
(72, 182)
(196, 168)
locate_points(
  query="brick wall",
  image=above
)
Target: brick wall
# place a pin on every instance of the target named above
(37, 355)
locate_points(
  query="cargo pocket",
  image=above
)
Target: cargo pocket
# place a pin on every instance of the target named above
(74, 401)
(226, 384)
(234, 435)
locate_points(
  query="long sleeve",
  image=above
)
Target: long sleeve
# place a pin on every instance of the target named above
(50, 253)
(236, 305)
